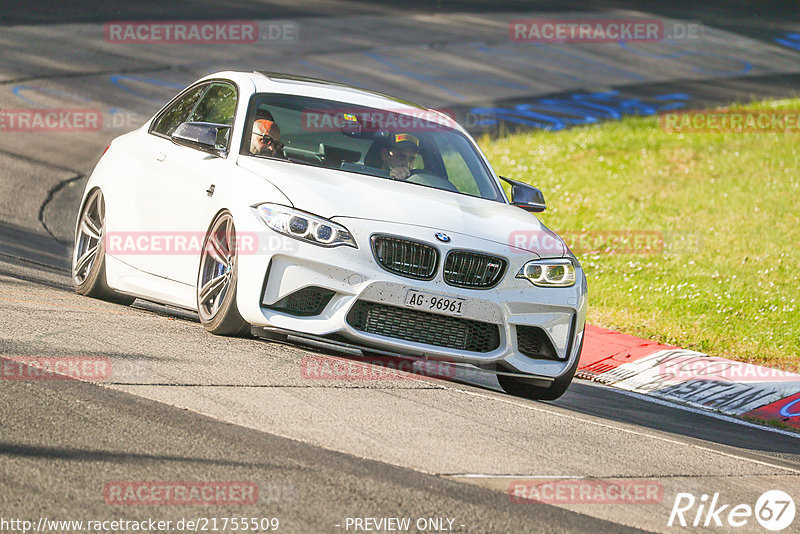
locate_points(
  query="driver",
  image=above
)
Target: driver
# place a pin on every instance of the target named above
(265, 139)
(401, 154)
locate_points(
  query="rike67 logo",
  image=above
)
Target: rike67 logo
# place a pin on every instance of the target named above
(774, 510)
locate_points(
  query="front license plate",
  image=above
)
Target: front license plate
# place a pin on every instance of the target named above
(435, 303)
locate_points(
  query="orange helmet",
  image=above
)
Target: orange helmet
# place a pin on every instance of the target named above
(264, 126)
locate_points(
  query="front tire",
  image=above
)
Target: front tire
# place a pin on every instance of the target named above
(217, 280)
(521, 387)
(89, 253)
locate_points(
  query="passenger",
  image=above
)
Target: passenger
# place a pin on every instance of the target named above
(265, 139)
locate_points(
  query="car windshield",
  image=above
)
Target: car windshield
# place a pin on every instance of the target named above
(416, 146)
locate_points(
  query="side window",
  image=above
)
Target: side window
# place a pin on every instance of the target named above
(218, 105)
(178, 113)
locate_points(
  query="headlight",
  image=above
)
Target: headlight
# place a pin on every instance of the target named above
(305, 226)
(549, 273)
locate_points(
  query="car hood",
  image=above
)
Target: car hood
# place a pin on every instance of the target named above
(332, 193)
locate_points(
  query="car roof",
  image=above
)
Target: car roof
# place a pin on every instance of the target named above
(316, 84)
(284, 83)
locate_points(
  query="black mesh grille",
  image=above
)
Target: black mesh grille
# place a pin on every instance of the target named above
(533, 341)
(423, 327)
(473, 270)
(305, 302)
(404, 257)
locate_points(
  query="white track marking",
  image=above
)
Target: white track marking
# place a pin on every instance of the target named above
(684, 407)
(627, 431)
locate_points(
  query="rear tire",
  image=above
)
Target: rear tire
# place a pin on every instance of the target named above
(521, 387)
(216, 281)
(89, 253)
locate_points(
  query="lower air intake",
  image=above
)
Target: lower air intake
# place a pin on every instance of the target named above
(422, 327)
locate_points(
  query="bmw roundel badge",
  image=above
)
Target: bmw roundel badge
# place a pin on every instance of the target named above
(444, 238)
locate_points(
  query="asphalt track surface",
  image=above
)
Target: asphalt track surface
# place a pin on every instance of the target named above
(183, 405)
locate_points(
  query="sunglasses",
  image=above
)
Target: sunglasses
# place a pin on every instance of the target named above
(399, 154)
(269, 140)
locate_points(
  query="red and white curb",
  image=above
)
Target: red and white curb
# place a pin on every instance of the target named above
(699, 380)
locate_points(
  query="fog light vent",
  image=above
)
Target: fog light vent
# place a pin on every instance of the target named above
(533, 342)
(305, 302)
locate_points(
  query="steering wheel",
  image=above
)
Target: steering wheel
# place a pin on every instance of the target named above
(422, 177)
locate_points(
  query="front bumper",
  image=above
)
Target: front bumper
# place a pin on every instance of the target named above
(286, 265)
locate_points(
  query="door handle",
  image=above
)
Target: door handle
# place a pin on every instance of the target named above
(161, 156)
(210, 190)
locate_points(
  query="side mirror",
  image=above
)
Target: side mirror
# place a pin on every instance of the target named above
(205, 136)
(526, 196)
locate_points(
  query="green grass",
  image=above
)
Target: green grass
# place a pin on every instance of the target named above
(728, 205)
(777, 423)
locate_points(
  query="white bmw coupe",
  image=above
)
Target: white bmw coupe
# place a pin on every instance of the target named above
(310, 208)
